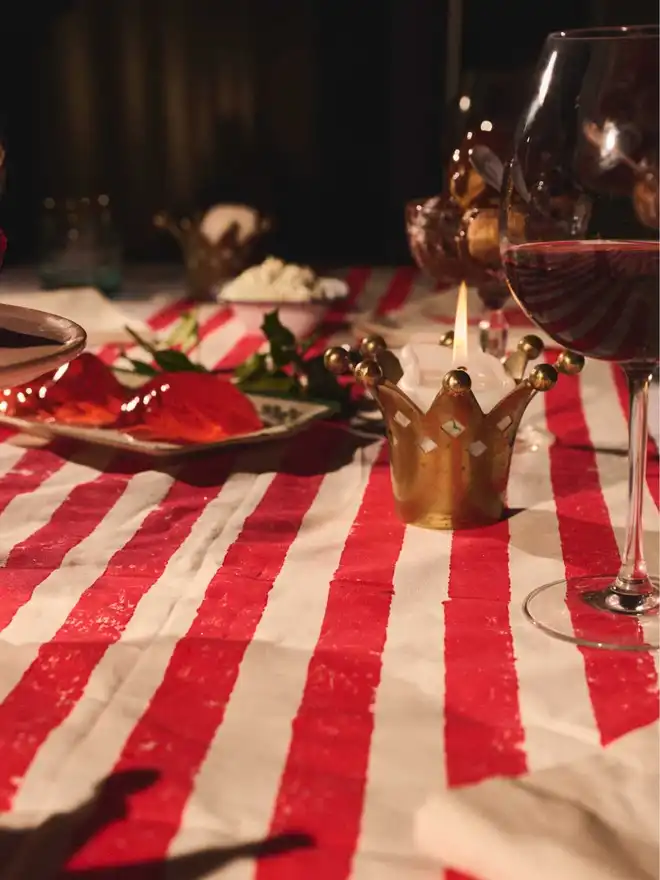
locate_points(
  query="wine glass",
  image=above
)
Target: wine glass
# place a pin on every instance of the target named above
(453, 239)
(432, 226)
(579, 243)
(453, 236)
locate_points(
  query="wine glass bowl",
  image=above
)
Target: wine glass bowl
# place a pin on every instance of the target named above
(454, 236)
(580, 251)
(433, 227)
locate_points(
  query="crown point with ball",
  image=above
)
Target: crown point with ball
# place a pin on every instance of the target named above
(456, 382)
(369, 373)
(532, 346)
(570, 363)
(371, 345)
(543, 377)
(337, 360)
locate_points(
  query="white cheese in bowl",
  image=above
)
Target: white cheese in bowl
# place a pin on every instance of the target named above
(275, 281)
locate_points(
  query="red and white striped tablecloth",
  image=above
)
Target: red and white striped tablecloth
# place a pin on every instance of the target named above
(249, 654)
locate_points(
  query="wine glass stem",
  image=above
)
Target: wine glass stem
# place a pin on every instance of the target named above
(494, 332)
(633, 576)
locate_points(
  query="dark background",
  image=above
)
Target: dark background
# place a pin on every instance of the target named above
(327, 113)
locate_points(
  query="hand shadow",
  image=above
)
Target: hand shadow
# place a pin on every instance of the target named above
(42, 852)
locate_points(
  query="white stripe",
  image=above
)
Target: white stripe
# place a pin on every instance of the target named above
(554, 700)
(272, 677)
(407, 756)
(39, 619)
(219, 343)
(10, 456)
(29, 511)
(368, 298)
(85, 747)
(378, 281)
(422, 287)
(147, 307)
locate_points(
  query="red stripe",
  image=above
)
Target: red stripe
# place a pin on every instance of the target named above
(244, 348)
(335, 321)
(205, 663)
(652, 469)
(398, 290)
(323, 784)
(31, 561)
(64, 665)
(32, 469)
(484, 734)
(6, 432)
(623, 686)
(356, 280)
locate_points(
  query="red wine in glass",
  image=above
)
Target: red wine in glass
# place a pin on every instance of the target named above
(599, 298)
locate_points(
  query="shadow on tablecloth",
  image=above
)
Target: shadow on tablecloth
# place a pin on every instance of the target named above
(321, 449)
(44, 851)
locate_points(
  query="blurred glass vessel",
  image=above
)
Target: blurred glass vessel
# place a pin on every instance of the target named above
(79, 245)
(454, 236)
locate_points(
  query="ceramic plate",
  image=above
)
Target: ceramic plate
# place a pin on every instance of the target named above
(33, 343)
(280, 417)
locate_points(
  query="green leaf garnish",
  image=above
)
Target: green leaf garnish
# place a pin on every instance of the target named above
(276, 333)
(185, 335)
(172, 361)
(139, 367)
(139, 341)
(253, 368)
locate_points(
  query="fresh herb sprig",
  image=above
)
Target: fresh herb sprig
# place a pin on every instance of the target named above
(172, 356)
(285, 369)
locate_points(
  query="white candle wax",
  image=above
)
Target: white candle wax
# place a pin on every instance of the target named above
(490, 381)
(425, 365)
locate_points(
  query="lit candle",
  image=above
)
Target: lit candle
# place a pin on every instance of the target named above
(425, 365)
(490, 381)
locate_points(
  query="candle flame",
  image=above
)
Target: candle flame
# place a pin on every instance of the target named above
(460, 352)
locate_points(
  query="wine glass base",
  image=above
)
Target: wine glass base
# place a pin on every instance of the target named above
(532, 439)
(589, 611)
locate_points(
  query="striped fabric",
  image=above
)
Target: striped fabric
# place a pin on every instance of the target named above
(259, 631)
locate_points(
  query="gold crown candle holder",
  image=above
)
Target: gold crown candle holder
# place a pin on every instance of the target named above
(212, 255)
(450, 465)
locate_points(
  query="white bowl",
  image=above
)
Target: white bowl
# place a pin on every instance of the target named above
(301, 318)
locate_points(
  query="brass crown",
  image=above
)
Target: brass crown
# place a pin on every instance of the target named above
(450, 465)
